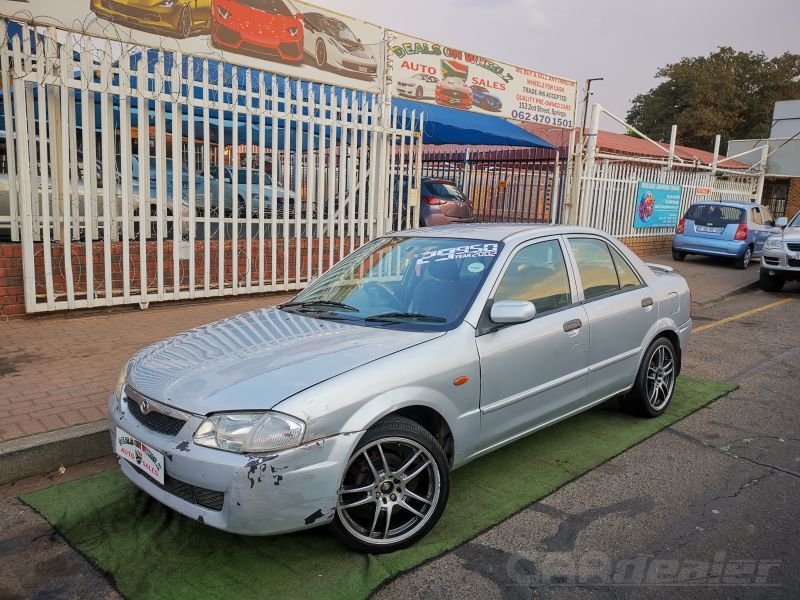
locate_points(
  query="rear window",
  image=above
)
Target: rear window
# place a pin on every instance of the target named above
(715, 215)
(442, 189)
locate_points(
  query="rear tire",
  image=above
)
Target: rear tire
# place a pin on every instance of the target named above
(743, 261)
(678, 256)
(404, 478)
(655, 382)
(418, 94)
(769, 283)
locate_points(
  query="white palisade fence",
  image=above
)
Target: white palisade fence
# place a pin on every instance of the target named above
(137, 175)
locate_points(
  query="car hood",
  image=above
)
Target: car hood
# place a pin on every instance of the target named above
(789, 235)
(257, 359)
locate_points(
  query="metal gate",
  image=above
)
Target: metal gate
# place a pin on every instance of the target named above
(139, 175)
(509, 185)
(605, 184)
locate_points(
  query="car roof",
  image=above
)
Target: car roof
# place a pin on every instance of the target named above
(505, 232)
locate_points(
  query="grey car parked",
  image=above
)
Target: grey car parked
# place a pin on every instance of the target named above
(421, 351)
(781, 260)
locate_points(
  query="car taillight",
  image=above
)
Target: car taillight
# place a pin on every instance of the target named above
(681, 225)
(432, 200)
(741, 232)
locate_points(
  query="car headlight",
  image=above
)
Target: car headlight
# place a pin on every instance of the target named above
(774, 243)
(167, 3)
(250, 432)
(120, 385)
(293, 31)
(223, 13)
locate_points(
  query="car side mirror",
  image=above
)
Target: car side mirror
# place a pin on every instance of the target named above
(781, 222)
(508, 312)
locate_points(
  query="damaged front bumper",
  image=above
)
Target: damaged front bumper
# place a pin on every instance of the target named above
(266, 494)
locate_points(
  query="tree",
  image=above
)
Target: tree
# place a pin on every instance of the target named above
(729, 93)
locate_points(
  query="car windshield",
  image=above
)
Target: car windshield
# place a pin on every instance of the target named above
(479, 88)
(275, 7)
(454, 81)
(715, 215)
(419, 283)
(339, 30)
(442, 189)
(796, 221)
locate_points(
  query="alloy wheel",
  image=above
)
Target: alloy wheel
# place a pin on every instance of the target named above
(321, 54)
(660, 377)
(185, 22)
(389, 492)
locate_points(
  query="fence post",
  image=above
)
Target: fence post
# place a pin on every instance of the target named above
(25, 188)
(673, 134)
(762, 168)
(586, 187)
(714, 160)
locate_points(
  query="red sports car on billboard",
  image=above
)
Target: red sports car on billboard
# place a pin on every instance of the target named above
(266, 27)
(453, 91)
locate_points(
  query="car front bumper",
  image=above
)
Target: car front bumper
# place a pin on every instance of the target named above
(709, 246)
(781, 263)
(240, 35)
(264, 494)
(152, 17)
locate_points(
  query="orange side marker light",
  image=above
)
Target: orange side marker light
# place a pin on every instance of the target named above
(460, 380)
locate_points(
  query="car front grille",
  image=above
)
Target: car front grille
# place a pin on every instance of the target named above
(200, 496)
(156, 421)
(357, 67)
(793, 246)
(793, 262)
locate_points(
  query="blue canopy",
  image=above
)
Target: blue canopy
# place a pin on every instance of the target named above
(454, 126)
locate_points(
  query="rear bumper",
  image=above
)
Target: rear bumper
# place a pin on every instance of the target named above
(709, 246)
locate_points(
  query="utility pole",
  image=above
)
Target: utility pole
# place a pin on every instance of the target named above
(586, 105)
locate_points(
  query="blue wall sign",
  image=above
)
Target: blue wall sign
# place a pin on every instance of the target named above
(657, 205)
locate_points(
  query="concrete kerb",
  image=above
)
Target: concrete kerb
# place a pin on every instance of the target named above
(46, 452)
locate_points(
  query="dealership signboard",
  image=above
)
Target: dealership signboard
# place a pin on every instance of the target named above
(657, 205)
(308, 42)
(440, 74)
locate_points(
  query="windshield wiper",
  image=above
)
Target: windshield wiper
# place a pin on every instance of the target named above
(324, 303)
(401, 316)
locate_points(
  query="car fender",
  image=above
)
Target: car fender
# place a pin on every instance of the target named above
(354, 401)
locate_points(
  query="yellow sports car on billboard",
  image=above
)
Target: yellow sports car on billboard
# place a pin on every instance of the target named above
(176, 18)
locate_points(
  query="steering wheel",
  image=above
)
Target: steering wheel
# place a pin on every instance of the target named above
(382, 295)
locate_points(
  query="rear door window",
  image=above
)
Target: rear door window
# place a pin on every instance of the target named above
(596, 267)
(715, 215)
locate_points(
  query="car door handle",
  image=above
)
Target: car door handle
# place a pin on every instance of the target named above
(573, 325)
(647, 302)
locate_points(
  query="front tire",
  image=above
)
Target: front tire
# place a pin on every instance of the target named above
(185, 22)
(743, 261)
(394, 490)
(655, 382)
(769, 283)
(321, 54)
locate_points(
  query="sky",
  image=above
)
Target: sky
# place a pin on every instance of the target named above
(623, 41)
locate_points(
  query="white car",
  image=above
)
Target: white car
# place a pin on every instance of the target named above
(420, 86)
(331, 43)
(258, 192)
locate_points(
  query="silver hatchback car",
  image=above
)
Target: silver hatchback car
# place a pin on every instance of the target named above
(421, 351)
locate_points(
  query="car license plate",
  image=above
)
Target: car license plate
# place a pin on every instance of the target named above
(704, 229)
(140, 455)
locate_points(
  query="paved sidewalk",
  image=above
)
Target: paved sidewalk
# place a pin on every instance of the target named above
(58, 371)
(710, 278)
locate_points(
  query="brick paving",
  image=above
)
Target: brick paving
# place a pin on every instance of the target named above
(57, 371)
(710, 278)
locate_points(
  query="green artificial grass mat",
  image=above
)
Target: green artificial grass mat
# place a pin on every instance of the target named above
(152, 552)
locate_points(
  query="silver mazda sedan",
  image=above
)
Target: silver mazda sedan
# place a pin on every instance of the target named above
(421, 351)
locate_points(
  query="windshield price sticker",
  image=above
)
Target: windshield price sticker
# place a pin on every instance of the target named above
(458, 252)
